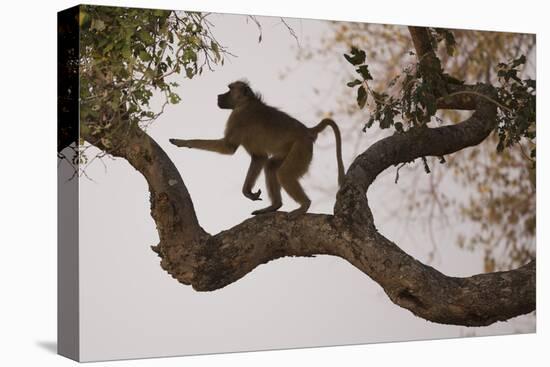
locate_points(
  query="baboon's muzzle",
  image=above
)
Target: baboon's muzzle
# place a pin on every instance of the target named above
(220, 100)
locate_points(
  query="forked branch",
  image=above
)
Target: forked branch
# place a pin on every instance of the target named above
(209, 262)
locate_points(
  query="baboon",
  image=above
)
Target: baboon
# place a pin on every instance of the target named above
(277, 143)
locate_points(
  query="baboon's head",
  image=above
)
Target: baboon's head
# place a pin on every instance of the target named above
(239, 92)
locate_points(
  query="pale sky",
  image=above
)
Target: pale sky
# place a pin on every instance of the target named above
(130, 307)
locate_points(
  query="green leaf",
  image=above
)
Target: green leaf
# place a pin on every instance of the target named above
(98, 25)
(363, 70)
(174, 98)
(146, 37)
(189, 73)
(354, 83)
(216, 49)
(144, 56)
(108, 47)
(126, 52)
(386, 121)
(361, 97)
(519, 61)
(357, 56)
(161, 13)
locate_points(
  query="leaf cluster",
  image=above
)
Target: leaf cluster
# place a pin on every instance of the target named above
(127, 54)
(414, 105)
(416, 102)
(518, 96)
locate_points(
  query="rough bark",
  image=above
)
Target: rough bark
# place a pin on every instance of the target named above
(209, 262)
(429, 63)
(171, 207)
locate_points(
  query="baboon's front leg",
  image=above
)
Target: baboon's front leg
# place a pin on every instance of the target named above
(256, 165)
(221, 146)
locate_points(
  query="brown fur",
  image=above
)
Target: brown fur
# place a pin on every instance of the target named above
(277, 143)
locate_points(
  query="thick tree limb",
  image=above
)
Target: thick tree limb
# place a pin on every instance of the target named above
(171, 206)
(429, 63)
(422, 42)
(474, 301)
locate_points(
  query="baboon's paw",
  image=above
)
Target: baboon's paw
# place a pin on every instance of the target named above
(254, 196)
(295, 214)
(269, 209)
(179, 142)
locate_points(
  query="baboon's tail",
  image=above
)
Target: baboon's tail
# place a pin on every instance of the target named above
(320, 127)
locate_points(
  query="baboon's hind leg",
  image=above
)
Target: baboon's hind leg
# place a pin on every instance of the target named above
(273, 187)
(293, 167)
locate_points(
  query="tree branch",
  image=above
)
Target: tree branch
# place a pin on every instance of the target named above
(429, 63)
(415, 143)
(473, 301)
(171, 206)
(209, 262)
(422, 42)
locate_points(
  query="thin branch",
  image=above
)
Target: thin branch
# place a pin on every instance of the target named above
(397, 171)
(479, 95)
(253, 18)
(291, 31)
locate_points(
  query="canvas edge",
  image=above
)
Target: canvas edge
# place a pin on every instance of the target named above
(68, 323)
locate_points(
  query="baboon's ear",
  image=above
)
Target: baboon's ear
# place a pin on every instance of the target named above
(248, 91)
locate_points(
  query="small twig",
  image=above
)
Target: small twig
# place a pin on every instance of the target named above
(397, 172)
(426, 166)
(257, 24)
(291, 31)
